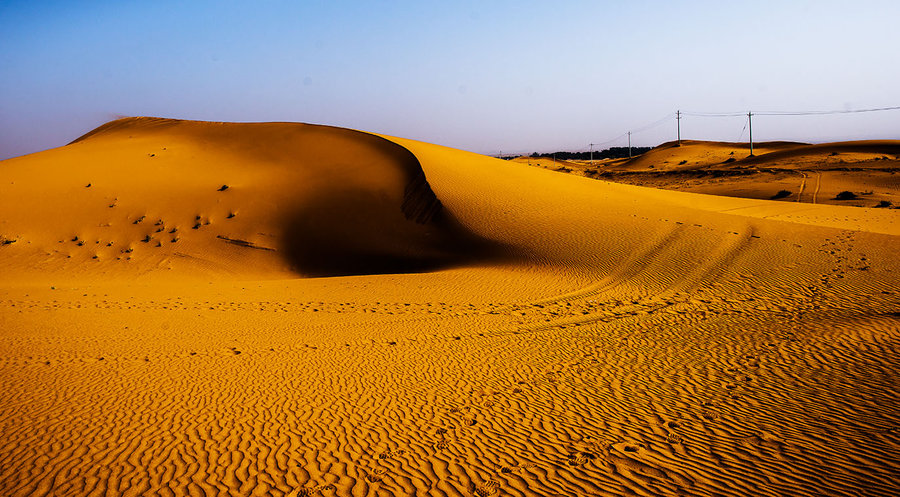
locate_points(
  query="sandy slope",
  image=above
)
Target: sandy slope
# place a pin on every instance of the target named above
(570, 336)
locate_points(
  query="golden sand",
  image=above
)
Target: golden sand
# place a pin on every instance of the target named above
(365, 315)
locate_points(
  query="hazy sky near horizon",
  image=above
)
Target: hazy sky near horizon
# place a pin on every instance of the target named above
(520, 76)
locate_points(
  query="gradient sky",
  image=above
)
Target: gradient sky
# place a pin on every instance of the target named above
(478, 75)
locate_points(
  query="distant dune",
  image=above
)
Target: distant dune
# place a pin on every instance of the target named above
(785, 171)
(291, 309)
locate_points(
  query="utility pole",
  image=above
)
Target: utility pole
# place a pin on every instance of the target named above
(678, 121)
(501, 155)
(750, 125)
(592, 154)
(629, 144)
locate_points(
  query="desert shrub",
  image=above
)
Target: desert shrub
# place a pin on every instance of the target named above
(884, 204)
(781, 194)
(846, 195)
(609, 153)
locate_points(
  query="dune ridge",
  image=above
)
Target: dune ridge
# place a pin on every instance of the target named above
(630, 341)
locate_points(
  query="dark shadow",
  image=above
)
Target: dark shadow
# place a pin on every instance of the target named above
(781, 194)
(362, 232)
(348, 230)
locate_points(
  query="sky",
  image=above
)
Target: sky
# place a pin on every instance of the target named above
(485, 76)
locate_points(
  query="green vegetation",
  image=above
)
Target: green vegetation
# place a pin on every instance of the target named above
(609, 153)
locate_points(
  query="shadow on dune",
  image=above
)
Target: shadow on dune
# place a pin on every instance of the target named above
(353, 230)
(356, 232)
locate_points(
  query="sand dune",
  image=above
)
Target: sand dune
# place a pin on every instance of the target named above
(488, 328)
(784, 171)
(166, 194)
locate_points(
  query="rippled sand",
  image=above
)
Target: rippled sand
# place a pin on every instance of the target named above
(474, 326)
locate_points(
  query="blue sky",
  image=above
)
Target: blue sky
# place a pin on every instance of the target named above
(478, 75)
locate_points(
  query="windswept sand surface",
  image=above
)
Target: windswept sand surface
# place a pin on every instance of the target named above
(364, 315)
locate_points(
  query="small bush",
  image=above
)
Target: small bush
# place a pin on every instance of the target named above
(781, 194)
(846, 195)
(884, 204)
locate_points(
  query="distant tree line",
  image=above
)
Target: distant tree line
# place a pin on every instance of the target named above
(609, 153)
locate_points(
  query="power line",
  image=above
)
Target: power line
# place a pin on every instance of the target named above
(742, 132)
(823, 112)
(788, 112)
(654, 124)
(611, 141)
(712, 114)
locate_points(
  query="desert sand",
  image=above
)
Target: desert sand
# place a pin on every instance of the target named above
(191, 308)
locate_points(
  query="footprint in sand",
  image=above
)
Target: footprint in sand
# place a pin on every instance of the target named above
(517, 469)
(765, 440)
(672, 437)
(489, 487)
(388, 454)
(469, 420)
(375, 475)
(580, 458)
(318, 489)
(442, 445)
(708, 411)
(709, 415)
(587, 449)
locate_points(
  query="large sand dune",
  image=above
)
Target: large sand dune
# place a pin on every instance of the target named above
(144, 194)
(484, 327)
